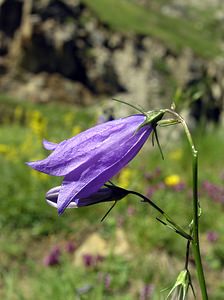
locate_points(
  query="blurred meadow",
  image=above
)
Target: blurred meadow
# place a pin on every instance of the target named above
(130, 255)
(45, 256)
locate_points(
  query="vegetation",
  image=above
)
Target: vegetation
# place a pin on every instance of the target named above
(32, 234)
(196, 31)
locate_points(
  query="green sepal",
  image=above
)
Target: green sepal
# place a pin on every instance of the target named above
(152, 118)
(168, 122)
(181, 285)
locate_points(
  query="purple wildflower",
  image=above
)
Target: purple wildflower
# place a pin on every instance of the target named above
(154, 175)
(179, 186)
(120, 221)
(212, 236)
(146, 292)
(213, 191)
(131, 210)
(150, 191)
(107, 281)
(92, 157)
(90, 260)
(109, 193)
(70, 247)
(53, 257)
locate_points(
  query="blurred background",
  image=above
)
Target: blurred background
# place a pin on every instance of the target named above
(61, 63)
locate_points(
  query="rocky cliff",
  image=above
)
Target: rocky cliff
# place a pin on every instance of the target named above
(60, 51)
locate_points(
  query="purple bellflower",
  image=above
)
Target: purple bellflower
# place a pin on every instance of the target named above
(88, 160)
(105, 194)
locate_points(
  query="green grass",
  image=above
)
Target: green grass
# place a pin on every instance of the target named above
(30, 228)
(177, 33)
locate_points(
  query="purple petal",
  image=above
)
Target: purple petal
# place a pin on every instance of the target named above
(49, 145)
(101, 168)
(76, 154)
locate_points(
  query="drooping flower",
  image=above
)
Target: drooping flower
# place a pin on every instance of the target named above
(92, 157)
(105, 194)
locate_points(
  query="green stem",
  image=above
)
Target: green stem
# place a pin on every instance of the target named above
(195, 225)
(195, 242)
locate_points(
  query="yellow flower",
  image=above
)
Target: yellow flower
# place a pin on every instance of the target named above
(37, 123)
(68, 119)
(12, 155)
(125, 178)
(4, 149)
(172, 180)
(27, 146)
(176, 155)
(39, 176)
(18, 113)
(76, 130)
(8, 152)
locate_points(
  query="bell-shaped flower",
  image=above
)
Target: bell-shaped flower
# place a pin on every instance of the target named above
(105, 194)
(91, 158)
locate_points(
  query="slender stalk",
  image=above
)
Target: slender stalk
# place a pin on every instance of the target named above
(195, 225)
(187, 255)
(195, 242)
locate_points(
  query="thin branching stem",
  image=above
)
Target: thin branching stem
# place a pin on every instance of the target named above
(174, 226)
(196, 206)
